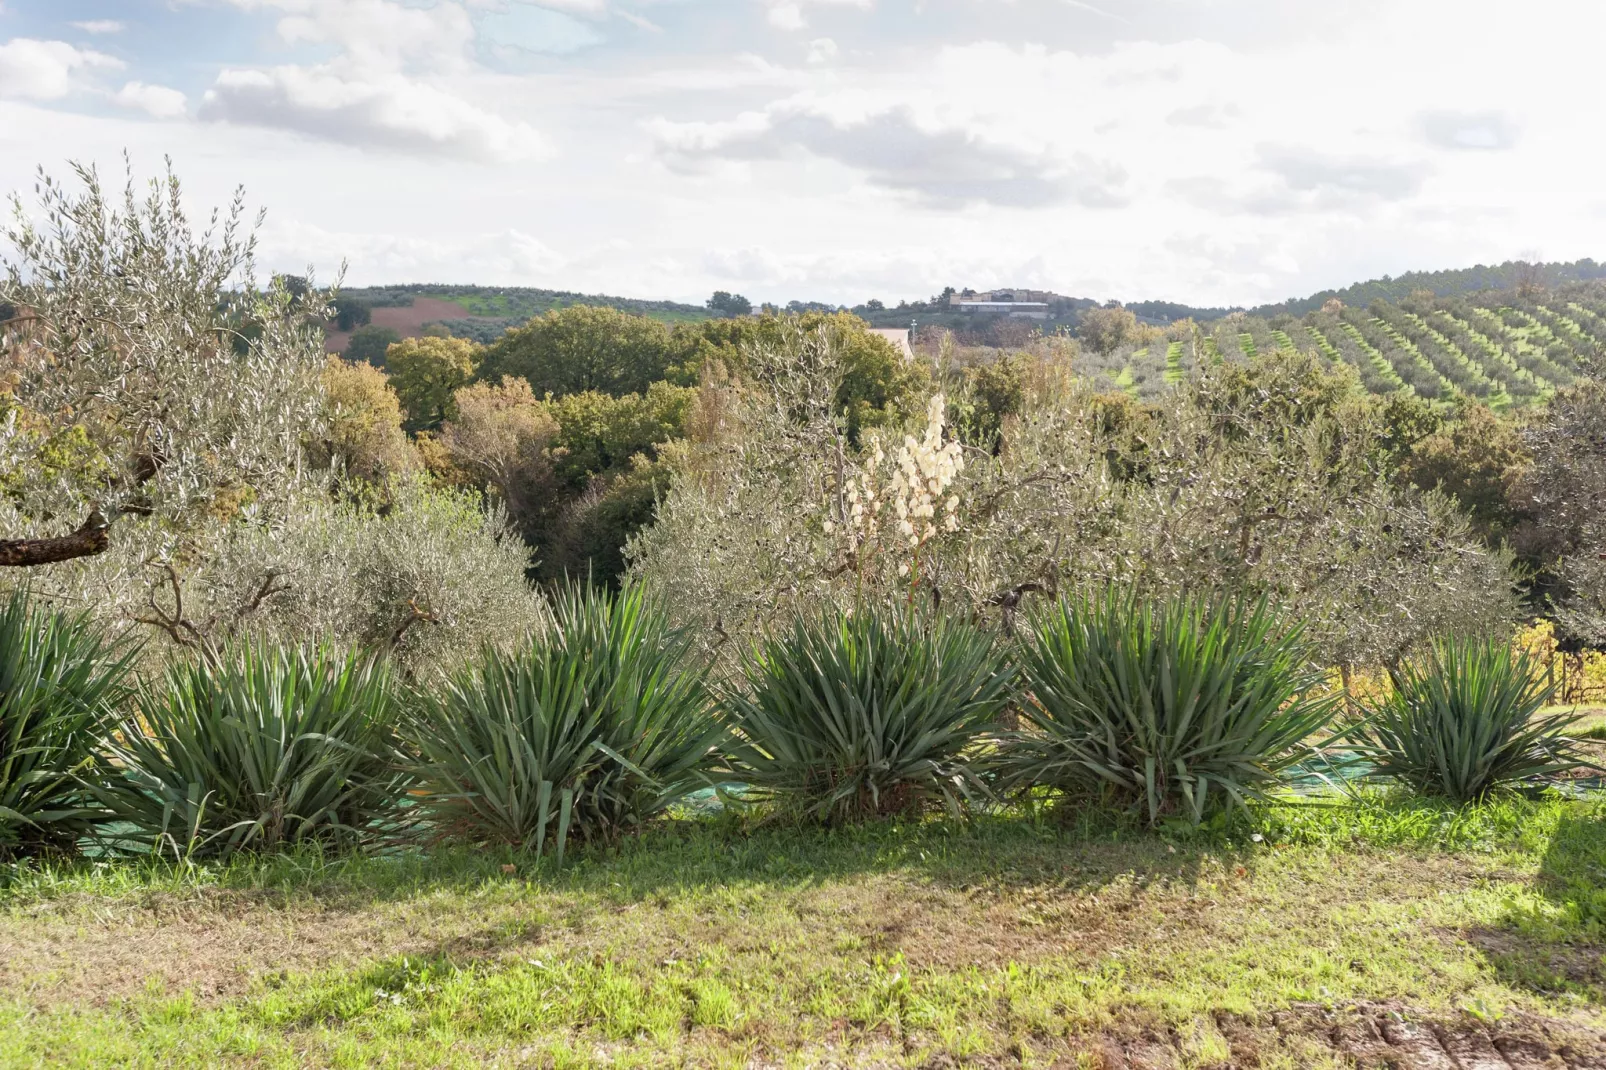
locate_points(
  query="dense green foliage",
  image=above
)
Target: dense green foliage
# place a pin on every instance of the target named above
(255, 748)
(1179, 708)
(572, 420)
(426, 372)
(369, 344)
(725, 303)
(584, 733)
(60, 680)
(583, 349)
(351, 313)
(1464, 719)
(1563, 501)
(853, 715)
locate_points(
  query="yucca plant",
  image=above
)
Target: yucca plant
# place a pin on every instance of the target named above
(1174, 708)
(855, 715)
(60, 678)
(256, 748)
(1464, 719)
(584, 733)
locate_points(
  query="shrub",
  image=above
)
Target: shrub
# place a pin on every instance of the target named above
(256, 748)
(1463, 720)
(1175, 707)
(856, 715)
(587, 731)
(59, 679)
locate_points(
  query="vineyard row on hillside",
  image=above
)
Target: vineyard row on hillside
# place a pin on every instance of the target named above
(1496, 346)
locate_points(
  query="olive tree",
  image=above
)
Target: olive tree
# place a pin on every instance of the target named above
(1274, 485)
(145, 352)
(1566, 492)
(152, 387)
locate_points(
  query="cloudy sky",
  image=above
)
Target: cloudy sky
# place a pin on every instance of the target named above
(1206, 151)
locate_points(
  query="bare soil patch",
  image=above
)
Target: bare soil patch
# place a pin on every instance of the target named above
(408, 322)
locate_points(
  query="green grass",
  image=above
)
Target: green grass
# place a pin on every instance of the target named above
(1173, 362)
(1007, 940)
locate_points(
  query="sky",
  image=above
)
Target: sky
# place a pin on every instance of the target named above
(1213, 152)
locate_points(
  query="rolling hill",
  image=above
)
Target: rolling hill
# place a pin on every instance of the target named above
(1499, 346)
(484, 312)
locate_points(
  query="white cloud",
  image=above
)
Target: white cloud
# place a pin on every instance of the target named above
(1224, 168)
(396, 84)
(379, 111)
(46, 70)
(156, 100)
(787, 17)
(640, 22)
(1488, 131)
(790, 14)
(376, 34)
(940, 166)
(579, 7)
(821, 50)
(100, 26)
(509, 257)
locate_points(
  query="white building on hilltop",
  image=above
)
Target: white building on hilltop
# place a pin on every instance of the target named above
(1030, 304)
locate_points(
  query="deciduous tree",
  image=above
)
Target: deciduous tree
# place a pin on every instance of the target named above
(426, 372)
(571, 350)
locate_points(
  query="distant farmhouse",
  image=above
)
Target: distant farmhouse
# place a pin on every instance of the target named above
(899, 337)
(1029, 304)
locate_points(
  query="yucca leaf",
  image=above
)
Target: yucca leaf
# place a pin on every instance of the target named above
(1166, 706)
(1464, 719)
(608, 712)
(257, 748)
(61, 678)
(849, 715)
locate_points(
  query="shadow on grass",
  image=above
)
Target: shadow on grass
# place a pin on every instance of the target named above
(1075, 848)
(1555, 942)
(1081, 848)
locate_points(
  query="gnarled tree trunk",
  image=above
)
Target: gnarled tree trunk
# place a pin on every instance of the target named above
(91, 538)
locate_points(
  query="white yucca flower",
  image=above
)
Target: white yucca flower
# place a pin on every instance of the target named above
(922, 471)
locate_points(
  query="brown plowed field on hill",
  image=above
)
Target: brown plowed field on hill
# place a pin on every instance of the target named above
(407, 322)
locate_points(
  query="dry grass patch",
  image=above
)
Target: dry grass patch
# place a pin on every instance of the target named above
(1003, 943)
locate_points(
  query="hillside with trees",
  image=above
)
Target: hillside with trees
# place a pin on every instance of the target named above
(1502, 347)
(1517, 275)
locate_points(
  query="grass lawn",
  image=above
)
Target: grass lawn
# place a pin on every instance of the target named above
(1308, 935)
(1591, 722)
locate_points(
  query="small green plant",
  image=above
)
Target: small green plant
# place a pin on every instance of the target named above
(855, 715)
(257, 748)
(60, 677)
(1174, 708)
(1464, 719)
(586, 732)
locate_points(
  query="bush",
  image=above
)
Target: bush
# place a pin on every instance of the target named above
(424, 573)
(864, 714)
(586, 732)
(256, 748)
(1463, 720)
(1174, 707)
(370, 344)
(59, 679)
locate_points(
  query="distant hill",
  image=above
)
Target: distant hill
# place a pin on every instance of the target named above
(1510, 275)
(1504, 347)
(485, 312)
